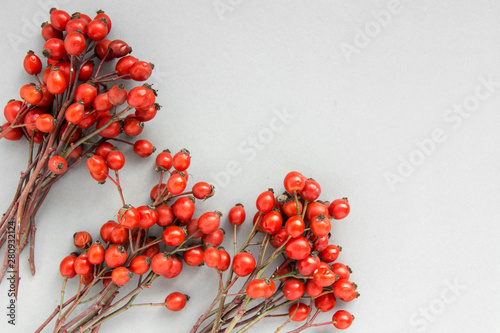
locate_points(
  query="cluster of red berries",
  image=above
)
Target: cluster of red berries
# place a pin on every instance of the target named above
(127, 247)
(71, 98)
(71, 113)
(298, 226)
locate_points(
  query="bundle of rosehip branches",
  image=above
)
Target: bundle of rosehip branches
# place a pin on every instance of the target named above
(295, 276)
(66, 113)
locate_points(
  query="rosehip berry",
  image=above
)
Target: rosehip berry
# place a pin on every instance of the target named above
(211, 257)
(295, 226)
(237, 215)
(86, 71)
(290, 208)
(215, 238)
(104, 149)
(54, 49)
(121, 275)
(12, 109)
(308, 265)
(181, 160)
(330, 253)
(173, 236)
(225, 260)
(265, 201)
(102, 15)
(57, 164)
(165, 215)
(164, 160)
(140, 265)
(279, 238)
(339, 208)
(243, 264)
(95, 163)
(320, 226)
(293, 289)
(311, 190)
(86, 93)
(312, 289)
(128, 217)
(194, 257)
(74, 43)
(82, 264)
(161, 263)
(56, 82)
(324, 277)
(298, 312)
(144, 148)
(203, 190)
(298, 248)
(97, 29)
(115, 159)
(342, 319)
(59, 18)
(14, 134)
(294, 182)
(67, 266)
(96, 253)
(45, 123)
(82, 240)
(132, 126)
(141, 71)
(115, 256)
(32, 64)
(119, 235)
(148, 216)
(176, 301)
(76, 24)
(113, 127)
(147, 114)
(176, 183)
(209, 222)
(119, 48)
(123, 65)
(325, 302)
(49, 31)
(117, 95)
(272, 222)
(316, 208)
(258, 288)
(106, 230)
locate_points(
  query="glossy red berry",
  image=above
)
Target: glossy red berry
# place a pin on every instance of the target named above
(237, 215)
(293, 289)
(193, 257)
(45, 123)
(342, 319)
(148, 216)
(106, 230)
(128, 217)
(225, 260)
(59, 18)
(295, 226)
(298, 312)
(82, 264)
(324, 277)
(325, 302)
(67, 266)
(294, 182)
(121, 275)
(243, 264)
(215, 238)
(32, 64)
(57, 164)
(209, 222)
(161, 263)
(96, 253)
(97, 29)
(115, 159)
(181, 160)
(75, 43)
(265, 201)
(175, 301)
(54, 49)
(173, 236)
(119, 48)
(115, 256)
(298, 248)
(339, 209)
(124, 65)
(140, 264)
(86, 71)
(140, 71)
(320, 226)
(144, 148)
(272, 222)
(56, 82)
(308, 265)
(330, 253)
(311, 190)
(117, 95)
(202, 190)
(49, 31)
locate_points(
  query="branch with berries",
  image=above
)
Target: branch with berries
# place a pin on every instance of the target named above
(68, 113)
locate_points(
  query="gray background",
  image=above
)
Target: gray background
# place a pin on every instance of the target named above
(222, 75)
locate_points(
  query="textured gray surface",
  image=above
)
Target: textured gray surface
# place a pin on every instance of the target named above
(401, 121)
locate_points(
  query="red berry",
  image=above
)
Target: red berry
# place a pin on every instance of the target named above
(74, 43)
(144, 148)
(117, 95)
(176, 183)
(243, 264)
(330, 253)
(45, 123)
(293, 289)
(75, 112)
(320, 226)
(209, 222)
(115, 256)
(194, 257)
(339, 208)
(183, 208)
(265, 201)
(123, 65)
(59, 18)
(215, 238)
(311, 190)
(56, 82)
(161, 263)
(237, 215)
(97, 29)
(181, 160)
(121, 275)
(128, 217)
(49, 31)
(298, 248)
(67, 266)
(202, 190)
(32, 64)
(148, 216)
(173, 236)
(272, 222)
(325, 302)
(96, 253)
(54, 49)
(119, 48)
(342, 319)
(115, 159)
(298, 312)
(294, 182)
(324, 277)
(164, 160)
(82, 264)
(95, 163)
(140, 71)
(86, 71)
(86, 93)
(57, 164)
(106, 230)
(225, 260)
(175, 301)
(295, 226)
(140, 265)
